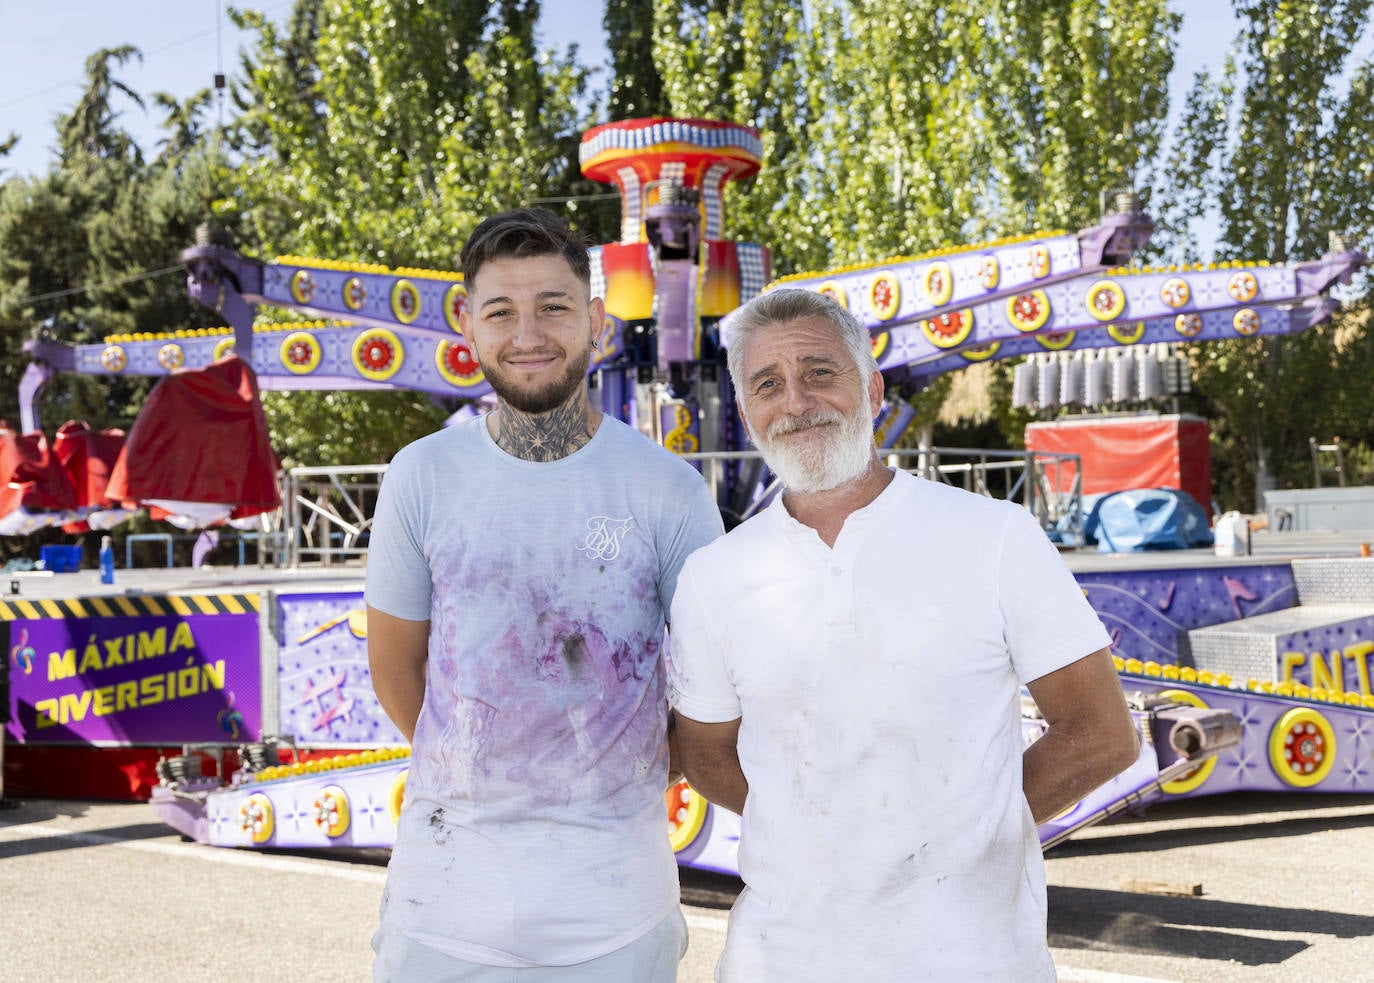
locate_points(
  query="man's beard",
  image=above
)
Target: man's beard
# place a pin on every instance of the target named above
(540, 399)
(802, 466)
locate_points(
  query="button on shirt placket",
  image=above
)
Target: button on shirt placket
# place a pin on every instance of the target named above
(839, 599)
(833, 568)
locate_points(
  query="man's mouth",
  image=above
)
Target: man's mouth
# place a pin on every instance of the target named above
(531, 361)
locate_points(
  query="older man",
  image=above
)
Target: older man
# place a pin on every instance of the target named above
(846, 670)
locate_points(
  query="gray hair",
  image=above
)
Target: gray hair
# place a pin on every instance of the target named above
(794, 304)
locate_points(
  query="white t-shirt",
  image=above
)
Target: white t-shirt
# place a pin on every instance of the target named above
(533, 829)
(885, 836)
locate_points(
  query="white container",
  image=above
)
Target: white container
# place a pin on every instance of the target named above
(1232, 535)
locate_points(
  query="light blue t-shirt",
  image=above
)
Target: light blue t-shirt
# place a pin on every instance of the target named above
(533, 831)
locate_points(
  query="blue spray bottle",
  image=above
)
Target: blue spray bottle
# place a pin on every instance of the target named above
(106, 560)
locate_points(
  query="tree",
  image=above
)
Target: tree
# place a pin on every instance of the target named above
(182, 123)
(898, 128)
(1280, 156)
(89, 131)
(636, 87)
(748, 62)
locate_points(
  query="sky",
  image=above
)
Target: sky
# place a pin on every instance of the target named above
(44, 47)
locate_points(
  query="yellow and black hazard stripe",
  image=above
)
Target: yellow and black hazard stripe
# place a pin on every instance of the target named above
(129, 605)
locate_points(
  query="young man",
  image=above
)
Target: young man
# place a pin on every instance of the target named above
(520, 570)
(846, 670)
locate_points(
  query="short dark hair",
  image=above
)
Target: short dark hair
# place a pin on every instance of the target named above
(521, 233)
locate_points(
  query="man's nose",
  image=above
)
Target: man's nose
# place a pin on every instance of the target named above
(800, 399)
(528, 333)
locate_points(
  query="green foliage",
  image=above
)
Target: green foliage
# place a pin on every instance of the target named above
(314, 428)
(1282, 158)
(383, 131)
(182, 123)
(751, 62)
(636, 88)
(89, 133)
(898, 128)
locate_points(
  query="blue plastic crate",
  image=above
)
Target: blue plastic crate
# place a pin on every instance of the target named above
(60, 559)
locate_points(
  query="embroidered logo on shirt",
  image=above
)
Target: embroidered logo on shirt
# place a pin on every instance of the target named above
(604, 536)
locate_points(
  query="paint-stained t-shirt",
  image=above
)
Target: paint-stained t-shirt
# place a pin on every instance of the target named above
(533, 830)
(885, 835)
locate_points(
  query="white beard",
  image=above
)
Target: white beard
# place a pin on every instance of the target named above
(803, 466)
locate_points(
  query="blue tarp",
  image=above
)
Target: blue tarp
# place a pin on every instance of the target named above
(1145, 519)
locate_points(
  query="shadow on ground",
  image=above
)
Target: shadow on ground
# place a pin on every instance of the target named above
(1198, 928)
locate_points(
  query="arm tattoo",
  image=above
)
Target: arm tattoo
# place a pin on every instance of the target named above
(544, 436)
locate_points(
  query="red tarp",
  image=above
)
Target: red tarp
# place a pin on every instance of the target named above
(88, 456)
(201, 437)
(31, 476)
(1129, 452)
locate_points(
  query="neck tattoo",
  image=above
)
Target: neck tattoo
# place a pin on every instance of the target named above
(544, 437)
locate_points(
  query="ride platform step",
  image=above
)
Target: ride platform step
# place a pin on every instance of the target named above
(1268, 646)
(1334, 580)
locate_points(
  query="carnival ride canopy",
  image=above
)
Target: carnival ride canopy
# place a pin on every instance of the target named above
(198, 455)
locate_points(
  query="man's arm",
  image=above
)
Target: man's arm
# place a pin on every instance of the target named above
(710, 760)
(397, 650)
(1091, 736)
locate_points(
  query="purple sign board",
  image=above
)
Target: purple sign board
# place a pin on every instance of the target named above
(1335, 656)
(1150, 612)
(135, 679)
(324, 686)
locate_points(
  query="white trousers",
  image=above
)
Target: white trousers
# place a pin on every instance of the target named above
(652, 958)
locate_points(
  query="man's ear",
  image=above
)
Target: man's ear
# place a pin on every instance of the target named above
(876, 388)
(596, 310)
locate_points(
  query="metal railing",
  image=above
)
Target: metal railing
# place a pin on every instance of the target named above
(327, 511)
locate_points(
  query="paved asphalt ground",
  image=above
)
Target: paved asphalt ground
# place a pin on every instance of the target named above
(103, 893)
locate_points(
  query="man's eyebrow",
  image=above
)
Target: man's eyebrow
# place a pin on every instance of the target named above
(772, 367)
(543, 295)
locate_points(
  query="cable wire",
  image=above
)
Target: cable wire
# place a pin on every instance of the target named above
(135, 278)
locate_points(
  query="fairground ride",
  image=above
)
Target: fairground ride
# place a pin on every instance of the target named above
(1224, 698)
